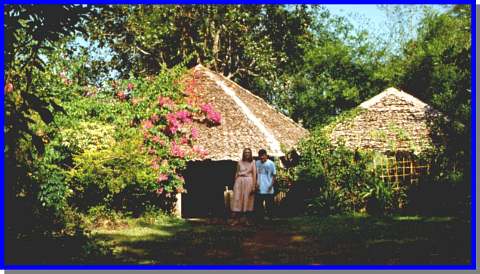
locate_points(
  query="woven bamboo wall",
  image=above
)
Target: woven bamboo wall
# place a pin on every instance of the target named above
(395, 170)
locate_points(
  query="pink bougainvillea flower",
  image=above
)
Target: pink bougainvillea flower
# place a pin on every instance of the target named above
(151, 151)
(172, 129)
(147, 124)
(162, 177)
(121, 95)
(211, 114)
(9, 88)
(194, 133)
(155, 165)
(156, 139)
(176, 151)
(173, 124)
(215, 117)
(130, 86)
(184, 140)
(155, 118)
(200, 151)
(165, 101)
(206, 108)
(184, 116)
(171, 117)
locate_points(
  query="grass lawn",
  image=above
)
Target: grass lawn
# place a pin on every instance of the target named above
(337, 240)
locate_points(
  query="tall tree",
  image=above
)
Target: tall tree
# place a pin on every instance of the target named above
(244, 42)
(339, 70)
(30, 33)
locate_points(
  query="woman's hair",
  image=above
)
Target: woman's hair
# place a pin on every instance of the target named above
(249, 159)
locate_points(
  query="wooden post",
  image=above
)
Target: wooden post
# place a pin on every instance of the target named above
(381, 169)
(178, 205)
(396, 170)
(412, 172)
(388, 171)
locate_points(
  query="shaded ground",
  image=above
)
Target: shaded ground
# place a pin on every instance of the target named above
(301, 240)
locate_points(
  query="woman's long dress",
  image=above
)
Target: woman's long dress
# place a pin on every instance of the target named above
(243, 196)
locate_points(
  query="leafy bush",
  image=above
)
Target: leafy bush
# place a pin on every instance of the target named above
(101, 173)
(123, 146)
(341, 180)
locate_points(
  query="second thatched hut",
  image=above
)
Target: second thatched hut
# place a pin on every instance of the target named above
(394, 124)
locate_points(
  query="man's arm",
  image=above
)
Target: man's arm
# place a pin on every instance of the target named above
(274, 172)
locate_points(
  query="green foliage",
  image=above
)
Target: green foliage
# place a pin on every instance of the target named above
(341, 180)
(30, 32)
(105, 172)
(336, 76)
(436, 67)
(35, 189)
(226, 38)
(343, 117)
(120, 147)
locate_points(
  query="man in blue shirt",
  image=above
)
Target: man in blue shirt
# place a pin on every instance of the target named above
(265, 180)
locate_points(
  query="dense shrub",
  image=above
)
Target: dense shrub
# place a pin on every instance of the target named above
(122, 146)
(338, 180)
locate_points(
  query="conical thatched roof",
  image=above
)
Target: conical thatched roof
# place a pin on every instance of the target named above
(392, 121)
(247, 120)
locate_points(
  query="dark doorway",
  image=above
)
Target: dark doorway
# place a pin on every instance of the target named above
(205, 182)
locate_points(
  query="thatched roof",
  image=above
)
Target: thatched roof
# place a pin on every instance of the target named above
(247, 120)
(392, 121)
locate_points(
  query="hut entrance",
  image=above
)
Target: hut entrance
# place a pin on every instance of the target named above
(205, 182)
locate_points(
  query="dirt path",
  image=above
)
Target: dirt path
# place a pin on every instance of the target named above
(263, 243)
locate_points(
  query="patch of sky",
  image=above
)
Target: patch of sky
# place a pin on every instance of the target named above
(96, 53)
(385, 25)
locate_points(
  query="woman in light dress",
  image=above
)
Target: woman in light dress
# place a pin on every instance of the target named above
(244, 189)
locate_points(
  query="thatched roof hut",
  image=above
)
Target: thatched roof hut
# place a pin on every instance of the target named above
(247, 120)
(390, 122)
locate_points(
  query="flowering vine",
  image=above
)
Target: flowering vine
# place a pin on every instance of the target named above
(167, 124)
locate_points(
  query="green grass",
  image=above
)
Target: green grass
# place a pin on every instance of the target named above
(335, 240)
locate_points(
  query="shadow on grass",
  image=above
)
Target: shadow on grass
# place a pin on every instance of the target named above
(389, 240)
(334, 240)
(179, 244)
